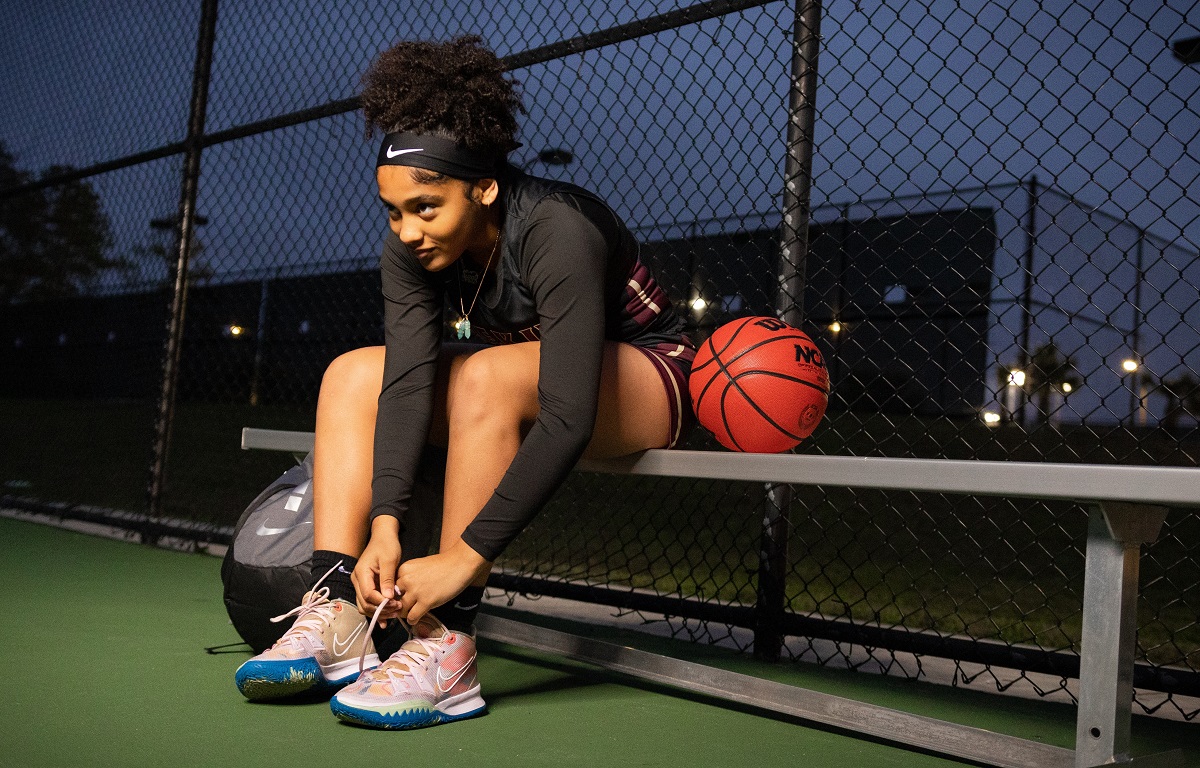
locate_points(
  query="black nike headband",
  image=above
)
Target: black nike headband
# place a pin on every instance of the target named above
(434, 153)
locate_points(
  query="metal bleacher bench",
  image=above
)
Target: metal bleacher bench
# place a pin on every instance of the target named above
(1128, 506)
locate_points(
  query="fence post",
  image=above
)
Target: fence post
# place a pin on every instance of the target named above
(1023, 356)
(260, 339)
(1138, 379)
(789, 303)
(186, 225)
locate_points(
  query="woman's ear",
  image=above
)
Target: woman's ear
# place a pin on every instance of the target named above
(487, 191)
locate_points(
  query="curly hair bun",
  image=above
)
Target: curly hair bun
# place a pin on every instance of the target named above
(457, 89)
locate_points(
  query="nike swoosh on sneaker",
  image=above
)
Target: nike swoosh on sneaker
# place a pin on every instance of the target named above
(394, 152)
(445, 683)
(462, 607)
(266, 530)
(339, 647)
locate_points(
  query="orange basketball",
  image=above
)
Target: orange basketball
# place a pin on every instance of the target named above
(759, 385)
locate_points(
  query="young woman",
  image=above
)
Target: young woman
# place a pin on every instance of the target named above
(585, 356)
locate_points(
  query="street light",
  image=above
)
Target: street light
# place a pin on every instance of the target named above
(1013, 392)
(1137, 391)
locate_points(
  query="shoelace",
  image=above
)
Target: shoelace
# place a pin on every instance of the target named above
(307, 616)
(412, 654)
(362, 659)
(406, 655)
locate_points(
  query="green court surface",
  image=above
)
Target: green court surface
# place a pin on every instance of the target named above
(105, 664)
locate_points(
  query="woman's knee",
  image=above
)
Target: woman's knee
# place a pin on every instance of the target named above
(355, 375)
(491, 384)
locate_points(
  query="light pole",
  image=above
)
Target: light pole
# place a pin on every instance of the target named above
(1014, 391)
(1137, 391)
(1058, 401)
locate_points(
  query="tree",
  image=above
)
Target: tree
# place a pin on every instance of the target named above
(1183, 396)
(55, 240)
(20, 222)
(1048, 370)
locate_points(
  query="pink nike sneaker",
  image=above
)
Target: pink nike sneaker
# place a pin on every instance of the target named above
(432, 679)
(326, 647)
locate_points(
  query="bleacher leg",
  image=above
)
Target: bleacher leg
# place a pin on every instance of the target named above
(1116, 532)
(772, 573)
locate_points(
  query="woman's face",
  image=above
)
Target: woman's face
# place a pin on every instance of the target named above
(439, 221)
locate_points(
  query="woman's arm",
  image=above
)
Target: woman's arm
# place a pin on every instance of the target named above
(563, 261)
(412, 314)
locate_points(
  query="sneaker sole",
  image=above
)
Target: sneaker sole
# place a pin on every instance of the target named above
(415, 716)
(264, 680)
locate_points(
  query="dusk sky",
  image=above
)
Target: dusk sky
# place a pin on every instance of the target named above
(913, 97)
(684, 127)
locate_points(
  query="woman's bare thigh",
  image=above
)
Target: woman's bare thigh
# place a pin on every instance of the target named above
(632, 411)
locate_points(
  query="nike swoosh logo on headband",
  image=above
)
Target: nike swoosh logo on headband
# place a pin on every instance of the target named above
(394, 152)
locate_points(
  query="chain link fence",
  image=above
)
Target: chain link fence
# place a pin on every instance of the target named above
(1001, 263)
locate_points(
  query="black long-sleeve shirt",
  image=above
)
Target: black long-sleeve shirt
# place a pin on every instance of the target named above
(569, 276)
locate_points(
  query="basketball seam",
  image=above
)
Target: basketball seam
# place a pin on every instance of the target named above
(732, 337)
(777, 375)
(734, 382)
(722, 368)
(762, 413)
(704, 390)
(716, 353)
(764, 342)
(724, 390)
(725, 417)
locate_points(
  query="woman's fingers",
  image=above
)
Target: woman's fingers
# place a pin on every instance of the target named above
(416, 611)
(387, 581)
(375, 575)
(363, 581)
(428, 582)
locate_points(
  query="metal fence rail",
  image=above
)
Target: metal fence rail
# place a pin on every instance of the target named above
(980, 212)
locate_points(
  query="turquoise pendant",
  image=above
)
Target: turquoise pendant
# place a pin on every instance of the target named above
(463, 327)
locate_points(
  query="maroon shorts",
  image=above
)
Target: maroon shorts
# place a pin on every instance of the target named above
(673, 363)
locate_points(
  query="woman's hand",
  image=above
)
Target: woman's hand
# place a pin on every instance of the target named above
(428, 582)
(375, 575)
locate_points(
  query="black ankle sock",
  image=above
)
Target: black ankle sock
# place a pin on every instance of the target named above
(459, 614)
(339, 583)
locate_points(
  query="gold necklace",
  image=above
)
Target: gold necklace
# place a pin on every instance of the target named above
(463, 325)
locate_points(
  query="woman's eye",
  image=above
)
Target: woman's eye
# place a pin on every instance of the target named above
(424, 209)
